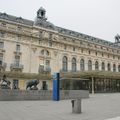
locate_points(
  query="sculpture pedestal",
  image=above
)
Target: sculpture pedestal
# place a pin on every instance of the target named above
(34, 88)
(4, 86)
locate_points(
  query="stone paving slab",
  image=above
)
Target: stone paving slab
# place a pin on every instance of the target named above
(97, 107)
(116, 118)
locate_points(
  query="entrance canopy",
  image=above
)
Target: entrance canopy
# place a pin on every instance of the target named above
(89, 74)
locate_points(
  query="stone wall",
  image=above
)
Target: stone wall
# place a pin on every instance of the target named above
(14, 95)
(73, 94)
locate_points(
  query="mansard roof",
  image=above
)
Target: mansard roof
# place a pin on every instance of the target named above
(49, 25)
(15, 19)
(86, 37)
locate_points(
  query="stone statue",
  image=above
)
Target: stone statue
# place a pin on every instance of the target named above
(117, 38)
(5, 84)
(32, 85)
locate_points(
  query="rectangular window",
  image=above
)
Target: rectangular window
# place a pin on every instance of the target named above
(1, 58)
(1, 45)
(50, 44)
(44, 85)
(18, 48)
(81, 50)
(50, 36)
(19, 28)
(17, 60)
(65, 47)
(113, 57)
(2, 34)
(96, 53)
(47, 67)
(47, 63)
(89, 52)
(73, 48)
(15, 84)
(18, 38)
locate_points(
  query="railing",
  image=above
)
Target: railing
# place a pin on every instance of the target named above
(16, 66)
(44, 69)
(18, 52)
(64, 70)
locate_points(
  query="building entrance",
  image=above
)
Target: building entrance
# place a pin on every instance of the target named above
(105, 85)
(98, 85)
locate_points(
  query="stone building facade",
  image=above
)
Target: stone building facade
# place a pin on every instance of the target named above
(39, 46)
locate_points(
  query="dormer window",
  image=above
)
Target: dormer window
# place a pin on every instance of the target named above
(4, 15)
(19, 19)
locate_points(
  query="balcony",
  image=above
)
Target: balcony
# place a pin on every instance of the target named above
(3, 65)
(43, 69)
(2, 50)
(16, 67)
(17, 52)
(62, 70)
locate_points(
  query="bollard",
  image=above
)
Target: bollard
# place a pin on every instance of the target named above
(76, 106)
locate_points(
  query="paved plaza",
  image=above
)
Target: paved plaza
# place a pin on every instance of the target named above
(97, 107)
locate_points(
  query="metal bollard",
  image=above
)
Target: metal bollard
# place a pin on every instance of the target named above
(76, 106)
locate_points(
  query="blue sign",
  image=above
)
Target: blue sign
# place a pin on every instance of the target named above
(56, 90)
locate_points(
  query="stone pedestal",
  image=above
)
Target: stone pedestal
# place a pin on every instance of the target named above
(76, 106)
(4, 86)
(34, 88)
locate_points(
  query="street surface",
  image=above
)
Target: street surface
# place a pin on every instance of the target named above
(97, 107)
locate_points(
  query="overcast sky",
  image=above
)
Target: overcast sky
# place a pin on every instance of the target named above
(98, 18)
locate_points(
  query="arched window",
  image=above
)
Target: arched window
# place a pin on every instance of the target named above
(96, 65)
(89, 65)
(42, 52)
(45, 52)
(65, 64)
(114, 68)
(82, 65)
(74, 65)
(109, 67)
(103, 66)
(118, 68)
